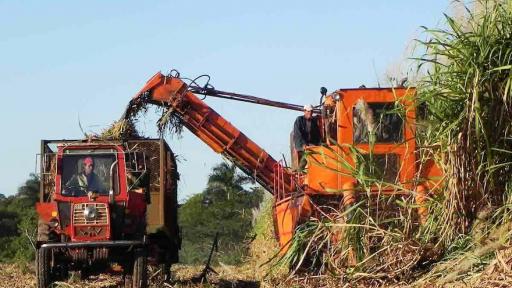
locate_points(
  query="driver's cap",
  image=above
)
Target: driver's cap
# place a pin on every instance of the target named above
(88, 160)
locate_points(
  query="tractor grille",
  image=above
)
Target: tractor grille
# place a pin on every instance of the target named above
(79, 218)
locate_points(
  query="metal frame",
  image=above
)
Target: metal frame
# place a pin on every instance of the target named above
(93, 244)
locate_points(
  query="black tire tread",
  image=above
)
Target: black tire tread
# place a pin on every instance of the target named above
(138, 278)
(43, 269)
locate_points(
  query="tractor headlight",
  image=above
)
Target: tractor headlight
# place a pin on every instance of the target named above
(90, 213)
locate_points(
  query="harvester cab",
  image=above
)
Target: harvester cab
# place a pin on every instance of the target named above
(358, 124)
(368, 135)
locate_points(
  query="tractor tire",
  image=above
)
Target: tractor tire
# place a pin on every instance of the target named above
(43, 268)
(138, 278)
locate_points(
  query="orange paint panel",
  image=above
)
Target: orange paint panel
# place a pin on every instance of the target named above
(285, 223)
(287, 214)
(323, 169)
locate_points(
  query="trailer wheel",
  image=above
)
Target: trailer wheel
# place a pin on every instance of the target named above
(43, 267)
(138, 278)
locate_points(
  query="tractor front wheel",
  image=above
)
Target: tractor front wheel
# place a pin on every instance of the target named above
(138, 278)
(43, 267)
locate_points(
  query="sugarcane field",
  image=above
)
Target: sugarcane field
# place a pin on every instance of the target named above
(256, 144)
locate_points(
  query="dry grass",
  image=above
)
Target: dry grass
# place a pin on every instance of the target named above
(126, 126)
(16, 276)
(121, 129)
(264, 247)
(457, 272)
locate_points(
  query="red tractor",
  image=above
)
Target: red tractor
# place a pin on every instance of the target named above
(106, 206)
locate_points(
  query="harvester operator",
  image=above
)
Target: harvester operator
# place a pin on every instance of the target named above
(305, 133)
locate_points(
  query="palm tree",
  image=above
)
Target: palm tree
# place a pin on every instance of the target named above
(224, 181)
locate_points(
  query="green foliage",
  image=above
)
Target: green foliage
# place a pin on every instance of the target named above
(468, 94)
(18, 222)
(225, 206)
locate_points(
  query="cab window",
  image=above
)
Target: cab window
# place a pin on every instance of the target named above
(379, 121)
(88, 172)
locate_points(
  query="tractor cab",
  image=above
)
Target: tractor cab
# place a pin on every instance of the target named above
(106, 204)
(94, 185)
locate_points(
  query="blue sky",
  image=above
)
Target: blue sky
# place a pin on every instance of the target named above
(61, 61)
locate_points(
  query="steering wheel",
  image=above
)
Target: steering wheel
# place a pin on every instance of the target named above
(75, 190)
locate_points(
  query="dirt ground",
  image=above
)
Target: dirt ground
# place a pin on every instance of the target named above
(18, 276)
(21, 276)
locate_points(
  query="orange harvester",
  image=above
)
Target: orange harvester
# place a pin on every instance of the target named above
(346, 116)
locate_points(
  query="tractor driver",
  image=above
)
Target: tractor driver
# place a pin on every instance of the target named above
(305, 132)
(87, 180)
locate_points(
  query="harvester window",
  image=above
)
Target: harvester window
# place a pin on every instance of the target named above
(379, 122)
(84, 173)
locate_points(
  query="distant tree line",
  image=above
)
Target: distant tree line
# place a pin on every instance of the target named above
(18, 222)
